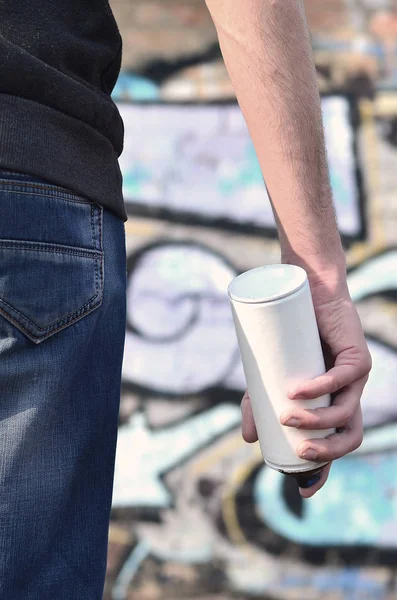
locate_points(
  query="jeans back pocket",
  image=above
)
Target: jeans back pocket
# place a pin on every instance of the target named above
(51, 258)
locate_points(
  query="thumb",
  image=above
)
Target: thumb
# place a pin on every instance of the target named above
(248, 428)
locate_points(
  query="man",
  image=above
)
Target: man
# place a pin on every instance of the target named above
(62, 267)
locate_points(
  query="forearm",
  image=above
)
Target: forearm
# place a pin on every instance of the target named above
(267, 51)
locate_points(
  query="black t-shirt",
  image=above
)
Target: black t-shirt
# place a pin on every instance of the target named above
(59, 62)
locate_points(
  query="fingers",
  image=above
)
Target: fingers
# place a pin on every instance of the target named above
(336, 445)
(309, 492)
(339, 414)
(248, 428)
(340, 376)
(320, 450)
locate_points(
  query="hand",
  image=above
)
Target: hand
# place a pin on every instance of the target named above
(349, 363)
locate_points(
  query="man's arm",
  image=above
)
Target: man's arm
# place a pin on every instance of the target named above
(267, 51)
(266, 48)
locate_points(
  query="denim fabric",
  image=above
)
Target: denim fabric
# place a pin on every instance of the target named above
(62, 326)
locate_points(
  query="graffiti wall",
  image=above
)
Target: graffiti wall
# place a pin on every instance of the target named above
(196, 514)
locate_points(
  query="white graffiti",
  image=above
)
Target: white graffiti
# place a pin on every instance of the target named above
(379, 400)
(377, 275)
(143, 455)
(200, 160)
(183, 339)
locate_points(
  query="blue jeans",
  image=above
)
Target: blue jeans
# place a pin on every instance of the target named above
(62, 326)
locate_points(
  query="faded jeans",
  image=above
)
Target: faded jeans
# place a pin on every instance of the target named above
(62, 326)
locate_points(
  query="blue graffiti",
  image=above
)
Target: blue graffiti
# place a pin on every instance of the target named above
(133, 87)
(357, 508)
(351, 581)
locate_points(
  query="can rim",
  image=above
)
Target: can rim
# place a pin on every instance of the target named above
(297, 279)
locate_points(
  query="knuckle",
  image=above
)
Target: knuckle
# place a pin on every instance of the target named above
(335, 384)
(338, 452)
(358, 440)
(328, 454)
(333, 450)
(311, 417)
(318, 423)
(319, 418)
(346, 415)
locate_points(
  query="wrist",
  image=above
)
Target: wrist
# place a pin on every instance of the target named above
(327, 275)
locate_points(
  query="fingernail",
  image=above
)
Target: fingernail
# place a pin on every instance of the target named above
(309, 454)
(296, 396)
(292, 422)
(308, 483)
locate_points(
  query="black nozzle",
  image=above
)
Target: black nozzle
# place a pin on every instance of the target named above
(308, 478)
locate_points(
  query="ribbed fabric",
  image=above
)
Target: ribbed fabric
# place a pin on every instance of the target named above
(47, 143)
(59, 63)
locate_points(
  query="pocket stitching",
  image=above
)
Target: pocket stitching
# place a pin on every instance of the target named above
(98, 277)
(58, 195)
(66, 320)
(53, 248)
(92, 227)
(36, 339)
(62, 320)
(94, 244)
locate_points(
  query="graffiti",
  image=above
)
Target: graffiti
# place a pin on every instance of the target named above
(356, 519)
(129, 570)
(178, 319)
(131, 87)
(365, 59)
(196, 513)
(144, 455)
(175, 281)
(368, 518)
(205, 496)
(196, 164)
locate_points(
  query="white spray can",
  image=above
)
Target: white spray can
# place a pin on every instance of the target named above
(280, 347)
